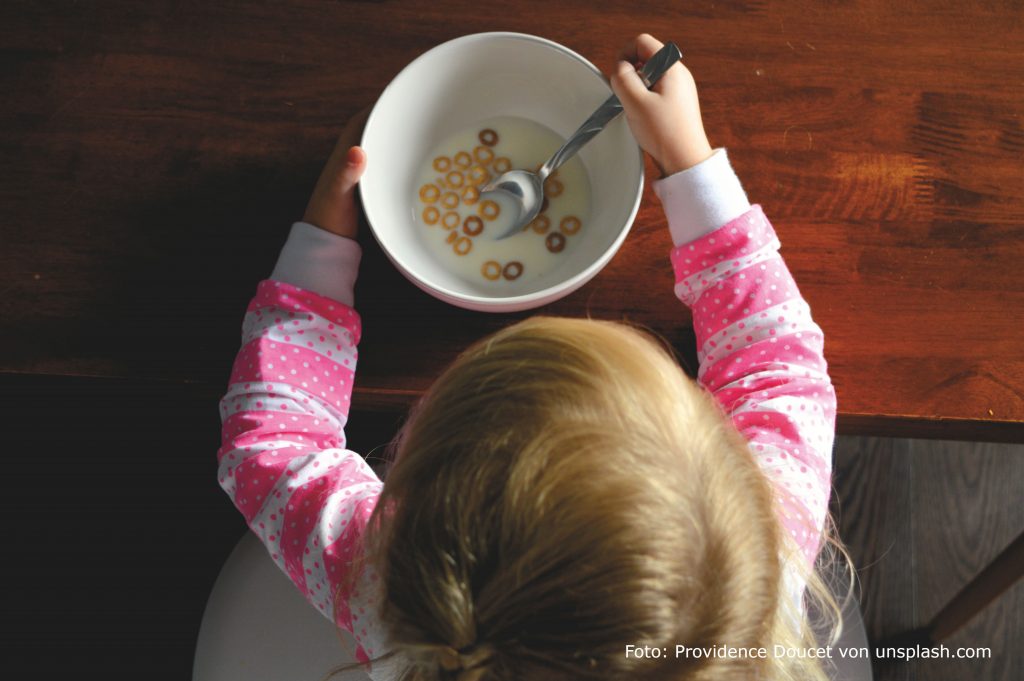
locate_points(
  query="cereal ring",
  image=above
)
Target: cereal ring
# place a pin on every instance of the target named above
(470, 195)
(473, 225)
(478, 175)
(491, 270)
(483, 155)
(488, 137)
(462, 245)
(544, 205)
(502, 164)
(555, 242)
(431, 215)
(454, 179)
(442, 164)
(463, 159)
(450, 220)
(489, 210)
(553, 187)
(570, 224)
(429, 193)
(450, 200)
(512, 270)
(541, 224)
(452, 236)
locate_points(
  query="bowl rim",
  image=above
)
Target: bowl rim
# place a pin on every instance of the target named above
(526, 300)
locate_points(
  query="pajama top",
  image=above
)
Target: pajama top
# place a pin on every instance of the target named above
(283, 459)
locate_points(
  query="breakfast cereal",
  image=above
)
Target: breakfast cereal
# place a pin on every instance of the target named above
(450, 201)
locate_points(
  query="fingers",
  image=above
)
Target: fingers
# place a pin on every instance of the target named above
(347, 160)
(647, 46)
(333, 204)
(355, 157)
(636, 52)
(641, 48)
(355, 166)
(627, 86)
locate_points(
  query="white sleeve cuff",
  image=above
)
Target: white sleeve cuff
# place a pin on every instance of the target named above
(319, 261)
(701, 199)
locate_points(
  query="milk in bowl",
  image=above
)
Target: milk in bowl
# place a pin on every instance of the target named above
(458, 227)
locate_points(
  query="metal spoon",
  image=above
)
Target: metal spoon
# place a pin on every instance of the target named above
(526, 189)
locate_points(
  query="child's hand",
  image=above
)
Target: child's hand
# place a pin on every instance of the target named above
(665, 120)
(333, 204)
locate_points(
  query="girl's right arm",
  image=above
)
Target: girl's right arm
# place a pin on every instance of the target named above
(283, 458)
(760, 352)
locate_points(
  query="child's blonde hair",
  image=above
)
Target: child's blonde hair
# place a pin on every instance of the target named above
(564, 490)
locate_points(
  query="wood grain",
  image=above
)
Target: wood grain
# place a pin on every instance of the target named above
(872, 508)
(921, 519)
(969, 511)
(158, 152)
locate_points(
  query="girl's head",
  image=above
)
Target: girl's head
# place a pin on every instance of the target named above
(564, 491)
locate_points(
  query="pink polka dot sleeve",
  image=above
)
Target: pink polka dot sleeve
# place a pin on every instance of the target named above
(283, 459)
(761, 355)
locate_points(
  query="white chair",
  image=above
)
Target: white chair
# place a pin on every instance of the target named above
(258, 627)
(853, 637)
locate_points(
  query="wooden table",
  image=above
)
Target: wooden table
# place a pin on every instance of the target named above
(156, 153)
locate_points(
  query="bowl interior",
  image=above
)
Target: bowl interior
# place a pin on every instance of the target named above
(470, 79)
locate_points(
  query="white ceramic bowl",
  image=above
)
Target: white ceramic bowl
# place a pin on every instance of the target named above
(460, 83)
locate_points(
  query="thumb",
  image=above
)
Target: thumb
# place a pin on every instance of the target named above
(355, 166)
(333, 204)
(627, 86)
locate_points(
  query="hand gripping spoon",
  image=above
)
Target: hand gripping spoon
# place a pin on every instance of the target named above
(526, 189)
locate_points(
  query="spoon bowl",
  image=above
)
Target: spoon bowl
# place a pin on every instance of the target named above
(525, 191)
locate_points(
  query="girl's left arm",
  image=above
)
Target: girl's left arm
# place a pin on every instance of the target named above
(761, 353)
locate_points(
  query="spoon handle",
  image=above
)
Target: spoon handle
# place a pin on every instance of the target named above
(611, 108)
(651, 72)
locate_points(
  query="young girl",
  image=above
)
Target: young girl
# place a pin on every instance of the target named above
(564, 503)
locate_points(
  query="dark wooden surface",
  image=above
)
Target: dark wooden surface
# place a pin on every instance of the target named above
(156, 153)
(921, 519)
